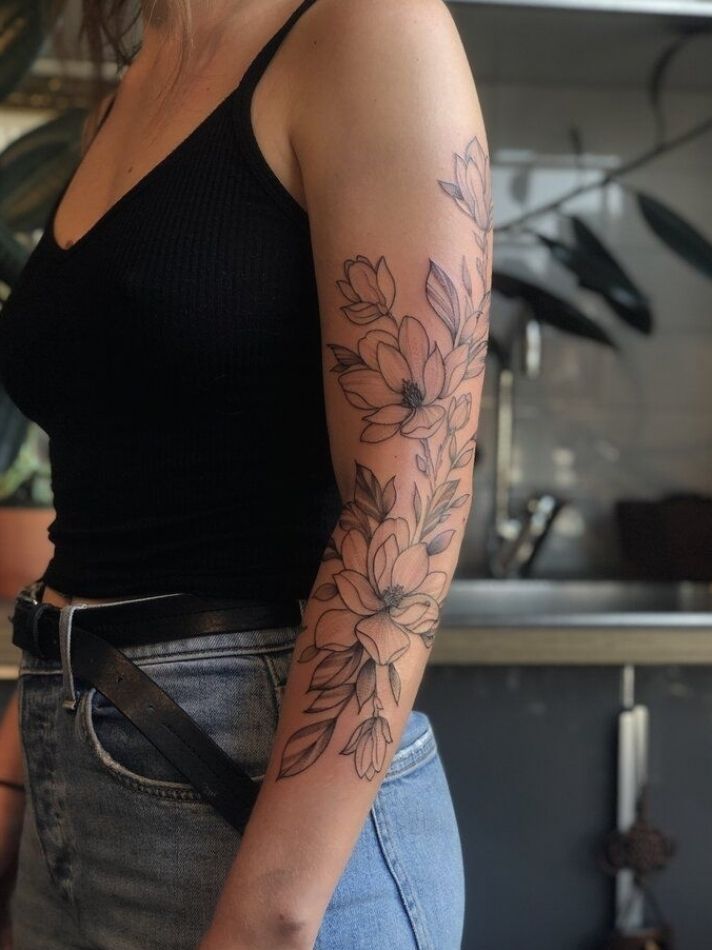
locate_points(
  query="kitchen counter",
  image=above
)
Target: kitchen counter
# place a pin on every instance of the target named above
(571, 622)
(549, 623)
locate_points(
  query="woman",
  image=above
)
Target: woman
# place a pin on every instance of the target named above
(254, 329)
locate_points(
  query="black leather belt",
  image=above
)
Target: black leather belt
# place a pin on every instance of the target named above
(98, 633)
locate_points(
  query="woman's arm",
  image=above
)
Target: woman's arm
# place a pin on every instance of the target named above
(11, 765)
(12, 808)
(394, 161)
(12, 800)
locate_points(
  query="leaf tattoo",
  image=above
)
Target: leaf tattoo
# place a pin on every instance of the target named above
(384, 593)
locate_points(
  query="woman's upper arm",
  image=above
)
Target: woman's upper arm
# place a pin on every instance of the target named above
(393, 154)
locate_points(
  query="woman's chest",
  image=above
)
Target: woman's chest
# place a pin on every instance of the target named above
(188, 297)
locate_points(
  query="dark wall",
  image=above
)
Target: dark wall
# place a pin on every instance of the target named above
(530, 754)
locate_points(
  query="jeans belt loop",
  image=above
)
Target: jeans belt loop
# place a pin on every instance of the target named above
(66, 615)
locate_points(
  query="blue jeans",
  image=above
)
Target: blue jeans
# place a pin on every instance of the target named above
(119, 852)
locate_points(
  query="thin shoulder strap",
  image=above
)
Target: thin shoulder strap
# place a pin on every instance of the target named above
(260, 62)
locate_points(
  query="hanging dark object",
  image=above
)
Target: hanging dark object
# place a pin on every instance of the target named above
(676, 233)
(550, 309)
(609, 279)
(642, 849)
(595, 273)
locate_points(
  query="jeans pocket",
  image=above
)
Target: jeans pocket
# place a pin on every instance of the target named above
(229, 696)
(279, 663)
(416, 747)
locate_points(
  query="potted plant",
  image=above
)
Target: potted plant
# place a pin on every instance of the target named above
(25, 500)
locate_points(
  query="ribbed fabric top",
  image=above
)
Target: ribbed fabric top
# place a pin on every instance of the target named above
(173, 356)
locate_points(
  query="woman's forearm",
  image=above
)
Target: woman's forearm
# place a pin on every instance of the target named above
(11, 764)
(12, 800)
(344, 708)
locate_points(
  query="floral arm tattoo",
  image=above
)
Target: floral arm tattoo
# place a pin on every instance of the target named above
(384, 593)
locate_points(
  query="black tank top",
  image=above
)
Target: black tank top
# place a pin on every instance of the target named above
(173, 356)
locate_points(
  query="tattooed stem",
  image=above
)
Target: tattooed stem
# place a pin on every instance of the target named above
(456, 339)
(429, 458)
(421, 519)
(438, 457)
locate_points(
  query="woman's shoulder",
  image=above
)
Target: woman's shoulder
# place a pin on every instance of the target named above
(370, 13)
(374, 28)
(372, 68)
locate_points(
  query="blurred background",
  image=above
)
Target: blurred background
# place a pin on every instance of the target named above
(570, 685)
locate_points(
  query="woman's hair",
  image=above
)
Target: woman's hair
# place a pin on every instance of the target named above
(112, 23)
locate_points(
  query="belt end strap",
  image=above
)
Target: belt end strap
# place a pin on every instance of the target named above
(207, 766)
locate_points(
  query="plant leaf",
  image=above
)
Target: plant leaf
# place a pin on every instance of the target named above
(442, 297)
(440, 542)
(395, 682)
(336, 668)
(345, 358)
(329, 698)
(36, 168)
(326, 591)
(14, 429)
(673, 230)
(621, 293)
(365, 682)
(305, 746)
(550, 309)
(307, 654)
(597, 276)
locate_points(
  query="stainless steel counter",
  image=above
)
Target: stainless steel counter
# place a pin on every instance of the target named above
(549, 623)
(575, 622)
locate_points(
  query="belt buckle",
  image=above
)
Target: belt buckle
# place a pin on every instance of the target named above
(28, 596)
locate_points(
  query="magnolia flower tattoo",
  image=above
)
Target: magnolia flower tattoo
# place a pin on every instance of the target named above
(384, 593)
